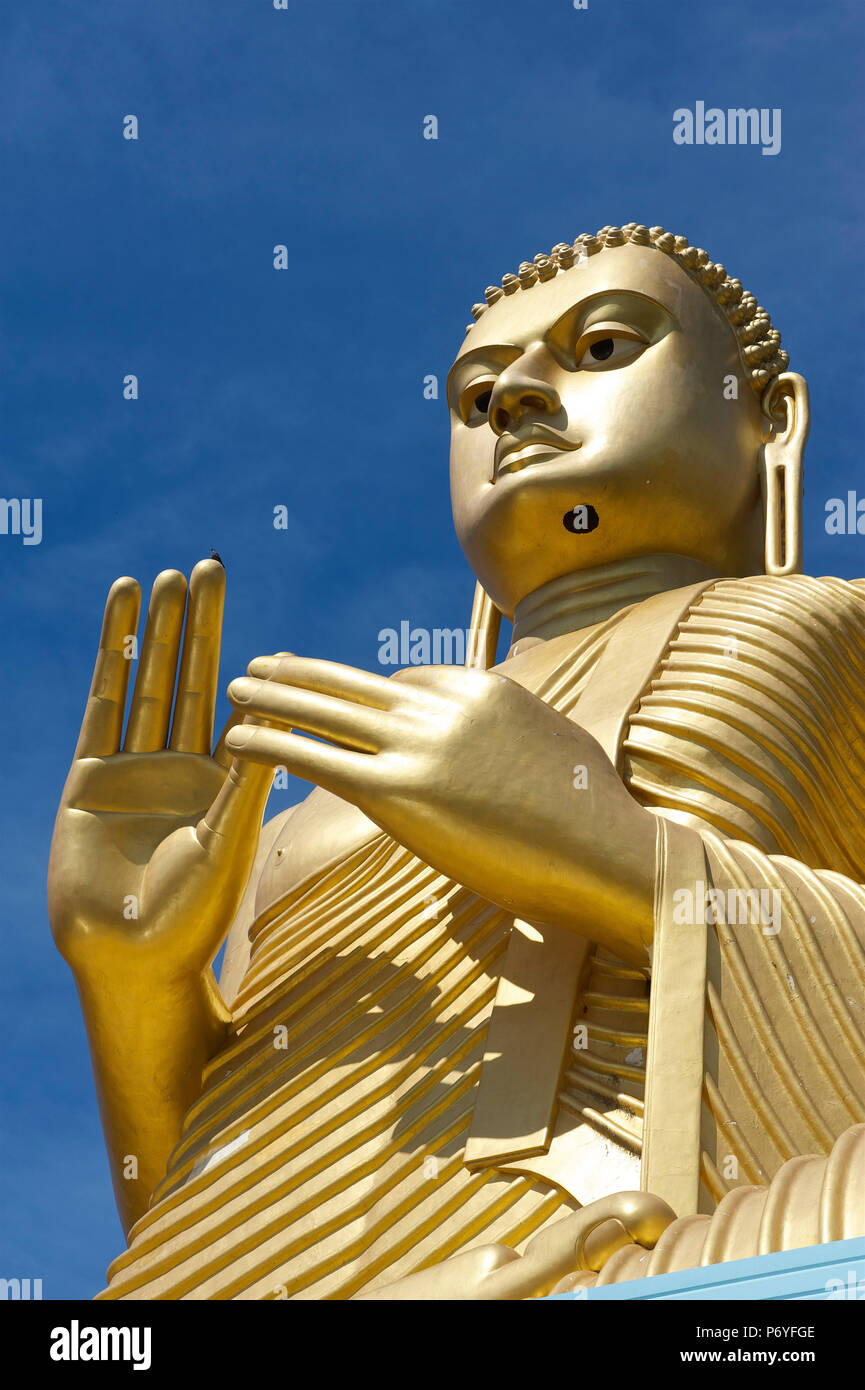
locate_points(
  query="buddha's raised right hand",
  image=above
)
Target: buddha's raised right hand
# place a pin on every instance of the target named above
(154, 839)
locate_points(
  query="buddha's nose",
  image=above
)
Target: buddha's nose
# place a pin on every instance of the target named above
(520, 392)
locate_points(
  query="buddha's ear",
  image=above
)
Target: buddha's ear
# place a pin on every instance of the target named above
(483, 632)
(785, 406)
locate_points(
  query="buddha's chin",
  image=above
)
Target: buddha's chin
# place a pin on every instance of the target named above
(534, 501)
(515, 552)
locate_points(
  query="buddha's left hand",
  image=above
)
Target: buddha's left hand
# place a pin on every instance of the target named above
(472, 773)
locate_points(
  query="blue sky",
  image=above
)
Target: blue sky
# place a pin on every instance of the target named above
(304, 388)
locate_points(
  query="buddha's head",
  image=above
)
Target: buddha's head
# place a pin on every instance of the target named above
(625, 376)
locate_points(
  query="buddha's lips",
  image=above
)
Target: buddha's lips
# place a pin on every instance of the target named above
(522, 453)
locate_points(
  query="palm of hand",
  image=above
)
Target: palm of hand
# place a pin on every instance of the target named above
(117, 812)
(141, 857)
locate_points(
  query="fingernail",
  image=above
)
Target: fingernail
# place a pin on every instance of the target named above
(239, 737)
(241, 690)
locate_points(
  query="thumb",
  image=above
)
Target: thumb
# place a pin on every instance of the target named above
(237, 810)
(221, 754)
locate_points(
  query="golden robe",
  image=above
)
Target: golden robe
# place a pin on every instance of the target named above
(335, 1145)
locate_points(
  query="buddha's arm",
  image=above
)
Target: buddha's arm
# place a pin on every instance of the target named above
(151, 1037)
(153, 845)
(475, 775)
(148, 1049)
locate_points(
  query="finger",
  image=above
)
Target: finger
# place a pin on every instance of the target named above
(192, 730)
(349, 725)
(238, 809)
(337, 769)
(221, 754)
(332, 678)
(102, 725)
(150, 714)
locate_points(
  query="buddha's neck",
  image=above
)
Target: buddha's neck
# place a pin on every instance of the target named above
(580, 600)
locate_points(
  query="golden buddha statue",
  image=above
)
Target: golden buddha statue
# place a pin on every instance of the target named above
(556, 978)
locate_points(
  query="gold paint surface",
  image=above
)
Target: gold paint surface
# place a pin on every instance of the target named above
(394, 1095)
(352, 961)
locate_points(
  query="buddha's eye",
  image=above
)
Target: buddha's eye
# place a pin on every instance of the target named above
(610, 345)
(475, 401)
(602, 349)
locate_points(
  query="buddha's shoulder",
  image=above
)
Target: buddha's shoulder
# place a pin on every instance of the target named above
(826, 605)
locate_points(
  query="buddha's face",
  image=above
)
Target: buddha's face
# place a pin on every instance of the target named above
(605, 388)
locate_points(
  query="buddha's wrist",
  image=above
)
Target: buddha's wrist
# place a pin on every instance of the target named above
(145, 994)
(601, 880)
(132, 961)
(592, 873)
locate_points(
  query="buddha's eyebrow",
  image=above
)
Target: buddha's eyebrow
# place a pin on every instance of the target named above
(496, 356)
(632, 300)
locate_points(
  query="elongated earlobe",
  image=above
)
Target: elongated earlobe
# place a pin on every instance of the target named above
(785, 405)
(483, 631)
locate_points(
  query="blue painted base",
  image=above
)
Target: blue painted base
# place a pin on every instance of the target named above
(835, 1271)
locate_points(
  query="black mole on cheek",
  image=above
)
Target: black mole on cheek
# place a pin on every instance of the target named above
(581, 518)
